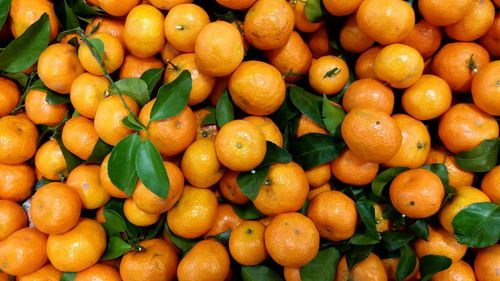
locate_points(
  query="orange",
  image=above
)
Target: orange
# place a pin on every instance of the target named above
(371, 134)
(230, 190)
(318, 190)
(18, 139)
(12, 218)
(365, 64)
(284, 189)
(328, 75)
(307, 126)
(486, 89)
(246, 243)
(341, 7)
(87, 91)
(10, 96)
(23, 252)
(226, 220)
(58, 66)
(487, 263)
(458, 62)
(464, 196)
(137, 216)
(79, 136)
(106, 183)
(491, 39)
(476, 22)
(383, 224)
(490, 185)
(55, 208)
(112, 57)
(24, 13)
(168, 4)
(334, 215)
(415, 145)
(270, 130)
(352, 38)
(157, 262)
(391, 266)
(144, 33)
(50, 162)
(350, 169)
(110, 26)
(300, 245)
(301, 21)
(221, 56)
(464, 126)
(98, 272)
(85, 180)
(200, 165)
(47, 273)
(117, 8)
(194, 214)
(428, 98)
(170, 136)
(441, 13)
(425, 38)
(16, 181)
(168, 52)
(456, 176)
(236, 4)
(109, 115)
(460, 269)
(292, 274)
(399, 65)
(319, 175)
(205, 131)
(151, 203)
(183, 24)
(441, 243)
(368, 92)
(319, 42)
(385, 21)
(79, 248)
(220, 86)
(134, 67)
(201, 83)
(263, 29)
(39, 111)
(371, 268)
(207, 260)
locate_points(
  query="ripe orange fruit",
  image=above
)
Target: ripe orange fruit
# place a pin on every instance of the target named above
(207, 260)
(307, 126)
(292, 274)
(302, 239)
(168, 52)
(368, 92)
(157, 262)
(23, 252)
(208, 131)
(350, 169)
(78, 248)
(318, 190)
(230, 190)
(284, 189)
(456, 176)
(328, 75)
(97, 272)
(458, 62)
(144, 33)
(112, 57)
(48, 272)
(319, 42)
(39, 111)
(391, 267)
(399, 65)
(246, 243)
(110, 26)
(371, 134)
(352, 38)
(79, 136)
(25, 13)
(490, 185)
(85, 180)
(301, 21)
(226, 220)
(487, 263)
(371, 268)
(109, 115)
(200, 165)
(334, 215)
(218, 49)
(365, 64)
(270, 130)
(106, 183)
(137, 216)
(383, 224)
(87, 91)
(385, 21)
(50, 162)
(134, 67)
(441, 13)
(117, 8)
(486, 89)
(319, 175)
(18, 139)
(491, 39)
(236, 4)
(341, 7)
(476, 22)
(425, 38)
(459, 269)
(60, 78)
(12, 218)
(263, 29)
(167, 4)
(183, 24)
(464, 126)
(16, 181)
(440, 242)
(10, 96)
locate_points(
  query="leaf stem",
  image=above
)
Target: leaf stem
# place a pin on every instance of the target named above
(25, 92)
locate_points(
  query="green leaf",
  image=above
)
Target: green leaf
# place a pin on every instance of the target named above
(101, 149)
(151, 77)
(81, 8)
(275, 154)
(259, 273)
(151, 170)
(307, 103)
(367, 214)
(314, 11)
(133, 123)
(121, 165)
(363, 239)
(68, 276)
(135, 88)
(155, 230)
(172, 97)
(332, 117)
(114, 224)
(357, 254)
(224, 111)
(4, 11)
(248, 212)
(223, 237)
(394, 240)
(72, 161)
(384, 178)
(209, 119)
(407, 263)
(97, 45)
(432, 264)
(439, 169)
(322, 267)
(181, 243)
(250, 182)
(481, 158)
(420, 228)
(65, 15)
(24, 51)
(20, 78)
(315, 149)
(478, 225)
(303, 209)
(116, 248)
(285, 113)
(53, 98)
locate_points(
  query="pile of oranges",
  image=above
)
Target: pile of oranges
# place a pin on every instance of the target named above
(250, 140)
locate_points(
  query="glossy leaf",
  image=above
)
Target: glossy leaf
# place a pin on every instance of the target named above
(81, 8)
(478, 225)
(332, 117)
(133, 123)
(432, 264)
(53, 98)
(407, 263)
(439, 169)
(275, 154)
(115, 205)
(285, 113)
(68, 276)
(250, 182)
(223, 237)
(72, 161)
(357, 254)
(151, 170)
(121, 165)
(224, 111)
(97, 45)
(4, 11)
(209, 119)
(20, 78)
(151, 77)
(384, 178)
(307, 103)
(114, 224)
(313, 11)
(116, 248)
(303, 209)
(101, 149)
(181, 243)
(248, 212)
(420, 228)
(65, 15)
(135, 88)
(259, 273)
(363, 239)
(155, 230)
(367, 214)
(481, 158)
(172, 97)
(322, 267)
(315, 149)
(393, 240)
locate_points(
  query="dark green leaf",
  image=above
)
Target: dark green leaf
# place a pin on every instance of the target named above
(303, 209)
(250, 182)
(155, 230)
(68, 276)
(72, 161)
(314, 149)
(62, 34)
(53, 98)
(322, 267)
(133, 123)
(478, 225)
(420, 228)
(357, 254)
(285, 113)
(407, 263)
(332, 117)
(65, 15)
(481, 158)
(4, 11)
(114, 224)
(116, 248)
(81, 8)
(223, 237)
(248, 212)
(209, 119)
(439, 169)
(224, 111)
(314, 11)
(20, 78)
(363, 239)
(151, 77)
(394, 240)
(101, 149)
(121, 165)
(151, 170)
(367, 214)
(259, 273)
(181, 243)
(172, 97)
(135, 88)
(24, 51)
(307, 103)
(97, 45)
(384, 178)
(275, 154)
(431, 264)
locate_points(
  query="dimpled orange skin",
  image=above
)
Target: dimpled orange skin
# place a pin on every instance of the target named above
(307, 126)
(23, 252)
(425, 38)
(24, 13)
(292, 274)
(365, 64)
(236, 4)
(368, 92)
(108, 118)
(486, 89)
(487, 264)
(16, 181)
(319, 42)
(440, 242)
(319, 175)
(110, 188)
(428, 98)
(137, 216)
(399, 65)
(464, 126)
(350, 169)
(352, 38)
(111, 26)
(112, 57)
(268, 127)
(200, 165)
(134, 67)
(301, 21)
(441, 13)
(79, 136)
(490, 184)
(475, 23)
(328, 74)
(117, 9)
(47, 273)
(144, 33)
(318, 190)
(183, 24)
(227, 219)
(98, 272)
(371, 268)
(341, 7)
(291, 239)
(18, 139)
(87, 91)
(491, 40)
(10, 96)
(39, 111)
(456, 176)
(246, 243)
(208, 260)
(85, 180)
(12, 218)
(459, 270)
(230, 190)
